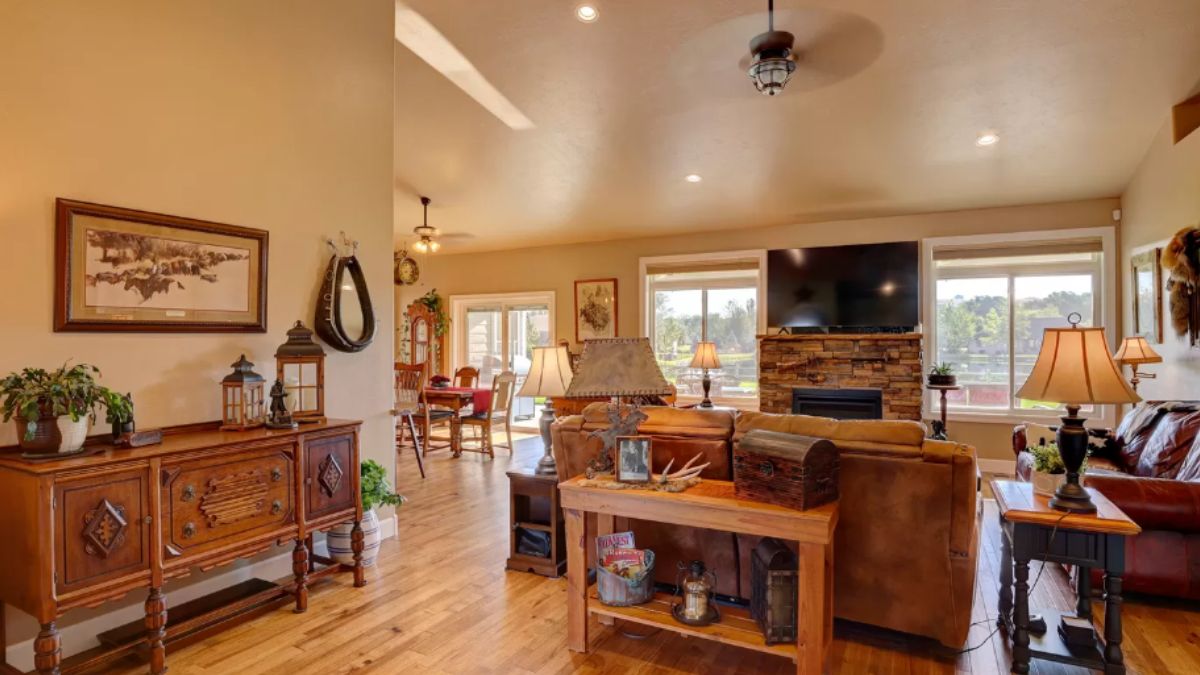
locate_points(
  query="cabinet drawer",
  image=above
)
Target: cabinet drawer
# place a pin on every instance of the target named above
(330, 475)
(102, 533)
(209, 500)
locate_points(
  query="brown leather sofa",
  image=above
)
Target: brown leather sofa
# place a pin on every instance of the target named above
(907, 536)
(1150, 468)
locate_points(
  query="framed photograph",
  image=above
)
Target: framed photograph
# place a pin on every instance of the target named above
(1147, 295)
(121, 270)
(595, 309)
(633, 459)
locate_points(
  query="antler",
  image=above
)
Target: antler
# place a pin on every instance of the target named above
(688, 471)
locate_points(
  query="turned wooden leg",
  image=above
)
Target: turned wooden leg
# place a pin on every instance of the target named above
(357, 543)
(1114, 659)
(300, 570)
(1004, 610)
(1083, 592)
(1020, 636)
(47, 650)
(156, 630)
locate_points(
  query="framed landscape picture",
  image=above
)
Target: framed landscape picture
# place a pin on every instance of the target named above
(595, 309)
(1147, 295)
(118, 269)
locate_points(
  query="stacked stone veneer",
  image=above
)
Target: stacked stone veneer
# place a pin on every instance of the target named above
(888, 362)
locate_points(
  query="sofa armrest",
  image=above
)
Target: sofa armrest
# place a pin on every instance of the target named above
(1152, 503)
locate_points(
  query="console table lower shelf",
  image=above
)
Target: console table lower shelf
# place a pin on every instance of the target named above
(711, 504)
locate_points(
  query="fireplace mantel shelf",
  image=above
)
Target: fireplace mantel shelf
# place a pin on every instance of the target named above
(844, 336)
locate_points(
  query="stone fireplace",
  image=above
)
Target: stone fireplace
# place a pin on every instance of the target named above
(794, 369)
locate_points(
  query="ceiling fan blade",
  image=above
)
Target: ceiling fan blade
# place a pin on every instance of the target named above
(456, 236)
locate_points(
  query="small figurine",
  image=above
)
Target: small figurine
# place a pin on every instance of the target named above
(279, 417)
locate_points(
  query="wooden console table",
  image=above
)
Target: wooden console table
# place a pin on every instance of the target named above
(1031, 530)
(711, 504)
(87, 529)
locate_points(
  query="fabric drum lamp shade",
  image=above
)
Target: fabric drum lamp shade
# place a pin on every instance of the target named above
(549, 376)
(618, 367)
(1074, 368)
(705, 358)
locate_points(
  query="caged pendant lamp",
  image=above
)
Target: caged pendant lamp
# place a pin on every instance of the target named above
(772, 65)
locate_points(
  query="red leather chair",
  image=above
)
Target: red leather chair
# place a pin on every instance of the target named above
(1150, 468)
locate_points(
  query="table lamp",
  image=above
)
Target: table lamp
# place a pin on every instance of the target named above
(1135, 351)
(705, 358)
(549, 375)
(1074, 368)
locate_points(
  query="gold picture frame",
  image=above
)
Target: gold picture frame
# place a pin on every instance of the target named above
(1147, 291)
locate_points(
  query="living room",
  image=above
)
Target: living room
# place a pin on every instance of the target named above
(898, 256)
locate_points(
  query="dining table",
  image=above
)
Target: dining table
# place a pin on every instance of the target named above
(456, 399)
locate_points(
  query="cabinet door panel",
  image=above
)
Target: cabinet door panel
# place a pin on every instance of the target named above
(211, 500)
(329, 484)
(101, 530)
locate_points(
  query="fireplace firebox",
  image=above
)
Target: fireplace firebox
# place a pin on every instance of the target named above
(842, 404)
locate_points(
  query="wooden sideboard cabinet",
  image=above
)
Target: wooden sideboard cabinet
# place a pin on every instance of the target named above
(83, 530)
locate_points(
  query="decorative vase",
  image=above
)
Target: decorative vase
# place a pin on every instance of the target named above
(338, 540)
(58, 436)
(1047, 483)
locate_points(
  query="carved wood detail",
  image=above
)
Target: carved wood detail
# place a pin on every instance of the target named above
(329, 475)
(104, 529)
(229, 499)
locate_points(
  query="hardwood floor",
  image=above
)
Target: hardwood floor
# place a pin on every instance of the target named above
(440, 601)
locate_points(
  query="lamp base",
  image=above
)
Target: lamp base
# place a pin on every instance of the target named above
(546, 466)
(707, 384)
(1072, 446)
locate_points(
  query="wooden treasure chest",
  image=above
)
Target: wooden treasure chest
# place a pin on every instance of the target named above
(799, 472)
(773, 590)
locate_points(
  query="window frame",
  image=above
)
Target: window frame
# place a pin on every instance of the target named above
(1104, 298)
(685, 263)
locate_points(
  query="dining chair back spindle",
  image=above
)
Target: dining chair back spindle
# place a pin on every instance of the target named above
(504, 386)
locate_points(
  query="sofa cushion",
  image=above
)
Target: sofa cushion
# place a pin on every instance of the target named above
(872, 437)
(1168, 446)
(662, 420)
(1189, 471)
(1133, 432)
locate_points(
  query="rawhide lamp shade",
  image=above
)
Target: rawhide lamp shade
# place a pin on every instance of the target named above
(1074, 368)
(706, 358)
(618, 367)
(1135, 351)
(549, 376)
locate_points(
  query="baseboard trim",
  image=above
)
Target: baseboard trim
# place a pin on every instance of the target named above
(1007, 467)
(81, 636)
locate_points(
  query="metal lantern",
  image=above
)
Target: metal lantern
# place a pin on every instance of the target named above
(242, 405)
(300, 366)
(773, 590)
(694, 586)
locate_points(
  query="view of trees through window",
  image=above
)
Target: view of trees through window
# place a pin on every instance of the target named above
(990, 330)
(726, 316)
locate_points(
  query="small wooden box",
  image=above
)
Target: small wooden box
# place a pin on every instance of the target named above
(799, 472)
(773, 590)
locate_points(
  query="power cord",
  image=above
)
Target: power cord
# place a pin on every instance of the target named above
(1038, 578)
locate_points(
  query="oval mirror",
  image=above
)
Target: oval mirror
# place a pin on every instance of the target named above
(345, 319)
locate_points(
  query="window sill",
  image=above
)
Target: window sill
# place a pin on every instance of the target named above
(747, 403)
(1095, 417)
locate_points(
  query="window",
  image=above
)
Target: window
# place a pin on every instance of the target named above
(706, 298)
(990, 305)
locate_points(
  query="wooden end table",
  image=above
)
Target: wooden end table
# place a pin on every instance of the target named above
(1031, 530)
(942, 389)
(712, 505)
(533, 505)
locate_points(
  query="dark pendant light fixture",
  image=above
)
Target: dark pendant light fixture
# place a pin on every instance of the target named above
(772, 65)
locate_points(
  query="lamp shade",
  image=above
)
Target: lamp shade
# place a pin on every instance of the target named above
(706, 356)
(1135, 350)
(1074, 368)
(549, 373)
(618, 367)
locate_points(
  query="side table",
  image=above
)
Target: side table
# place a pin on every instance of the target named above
(939, 432)
(534, 507)
(1031, 530)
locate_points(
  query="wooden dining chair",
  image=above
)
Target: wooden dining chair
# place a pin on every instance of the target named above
(413, 411)
(466, 377)
(504, 386)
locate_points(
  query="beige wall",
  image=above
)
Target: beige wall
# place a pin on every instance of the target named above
(556, 268)
(273, 114)
(1162, 198)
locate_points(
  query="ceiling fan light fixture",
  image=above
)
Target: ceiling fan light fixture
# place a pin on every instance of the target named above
(772, 65)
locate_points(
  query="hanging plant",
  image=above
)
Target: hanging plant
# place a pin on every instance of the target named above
(441, 319)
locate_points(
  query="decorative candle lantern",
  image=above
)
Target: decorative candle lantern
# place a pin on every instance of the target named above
(300, 366)
(694, 588)
(242, 405)
(773, 590)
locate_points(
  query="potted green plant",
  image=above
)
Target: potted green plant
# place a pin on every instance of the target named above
(942, 375)
(1049, 472)
(119, 413)
(376, 491)
(53, 409)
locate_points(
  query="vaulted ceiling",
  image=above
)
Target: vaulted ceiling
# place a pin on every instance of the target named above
(881, 117)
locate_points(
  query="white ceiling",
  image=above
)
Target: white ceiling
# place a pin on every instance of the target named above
(880, 119)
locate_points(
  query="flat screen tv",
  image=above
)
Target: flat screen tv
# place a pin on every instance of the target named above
(860, 286)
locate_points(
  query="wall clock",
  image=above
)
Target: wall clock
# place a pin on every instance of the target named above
(406, 272)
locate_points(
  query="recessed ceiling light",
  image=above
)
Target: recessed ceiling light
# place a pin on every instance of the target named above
(587, 13)
(987, 138)
(693, 178)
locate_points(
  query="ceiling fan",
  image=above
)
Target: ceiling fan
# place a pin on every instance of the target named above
(428, 236)
(771, 64)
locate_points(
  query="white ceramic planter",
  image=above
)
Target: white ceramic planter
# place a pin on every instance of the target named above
(338, 540)
(1047, 483)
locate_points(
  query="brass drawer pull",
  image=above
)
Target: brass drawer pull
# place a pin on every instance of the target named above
(189, 493)
(276, 474)
(276, 507)
(189, 530)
